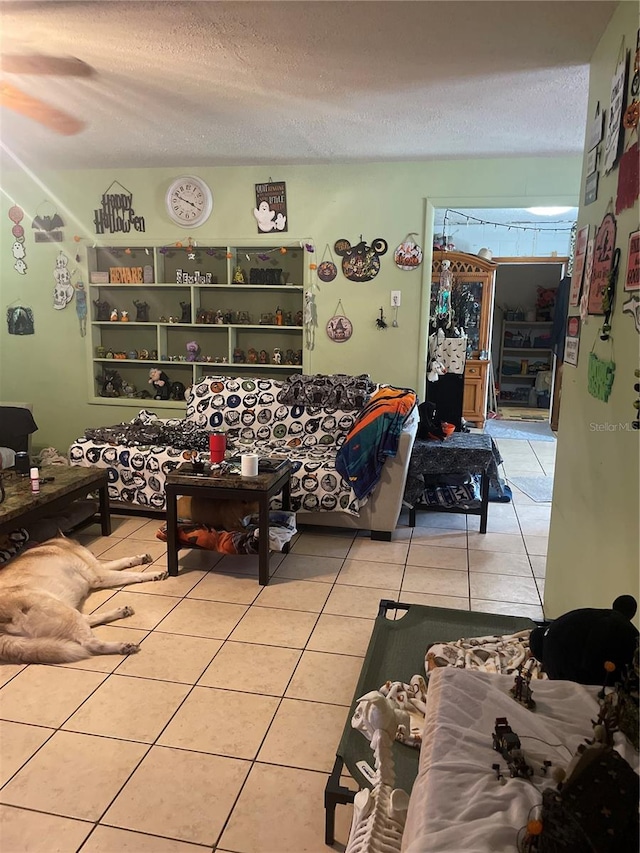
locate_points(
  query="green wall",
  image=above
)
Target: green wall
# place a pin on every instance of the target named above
(594, 542)
(324, 203)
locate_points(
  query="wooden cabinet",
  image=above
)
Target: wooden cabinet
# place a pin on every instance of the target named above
(474, 290)
(241, 306)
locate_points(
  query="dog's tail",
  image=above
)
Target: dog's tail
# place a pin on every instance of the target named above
(40, 650)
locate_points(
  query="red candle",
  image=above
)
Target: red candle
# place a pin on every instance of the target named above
(217, 446)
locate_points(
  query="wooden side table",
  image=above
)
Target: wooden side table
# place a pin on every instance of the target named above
(262, 488)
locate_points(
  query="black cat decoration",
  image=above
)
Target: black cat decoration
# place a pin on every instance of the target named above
(361, 262)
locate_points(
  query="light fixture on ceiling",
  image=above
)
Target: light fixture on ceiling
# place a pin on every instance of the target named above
(548, 211)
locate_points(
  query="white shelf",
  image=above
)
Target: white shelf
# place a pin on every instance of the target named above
(187, 298)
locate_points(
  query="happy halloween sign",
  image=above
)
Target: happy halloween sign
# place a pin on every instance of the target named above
(116, 213)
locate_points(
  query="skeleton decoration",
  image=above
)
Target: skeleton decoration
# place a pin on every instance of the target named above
(310, 319)
(63, 290)
(379, 815)
(81, 307)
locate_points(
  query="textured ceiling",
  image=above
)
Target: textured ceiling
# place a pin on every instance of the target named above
(221, 83)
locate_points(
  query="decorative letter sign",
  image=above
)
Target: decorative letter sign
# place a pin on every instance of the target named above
(116, 213)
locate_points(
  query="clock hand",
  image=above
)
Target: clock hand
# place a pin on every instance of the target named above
(187, 201)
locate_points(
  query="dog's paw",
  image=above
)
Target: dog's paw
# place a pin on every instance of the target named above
(129, 649)
(159, 576)
(126, 611)
(145, 558)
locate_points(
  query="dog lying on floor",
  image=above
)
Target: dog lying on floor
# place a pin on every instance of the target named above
(41, 593)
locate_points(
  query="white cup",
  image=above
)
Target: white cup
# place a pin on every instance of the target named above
(249, 465)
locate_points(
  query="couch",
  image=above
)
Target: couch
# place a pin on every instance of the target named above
(260, 416)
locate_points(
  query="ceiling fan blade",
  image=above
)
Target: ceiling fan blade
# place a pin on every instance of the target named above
(56, 120)
(60, 66)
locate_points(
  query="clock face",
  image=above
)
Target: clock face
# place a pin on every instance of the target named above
(189, 201)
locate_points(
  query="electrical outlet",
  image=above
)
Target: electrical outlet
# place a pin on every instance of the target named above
(395, 298)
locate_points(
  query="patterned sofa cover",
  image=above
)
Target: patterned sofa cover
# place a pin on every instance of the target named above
(251, 413)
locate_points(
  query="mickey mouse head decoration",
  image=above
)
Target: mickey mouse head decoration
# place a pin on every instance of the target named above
(361, 262)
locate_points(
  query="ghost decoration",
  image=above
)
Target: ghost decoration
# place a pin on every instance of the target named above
(63, 290)
(18, 252)
(280, 222)
(265, 217)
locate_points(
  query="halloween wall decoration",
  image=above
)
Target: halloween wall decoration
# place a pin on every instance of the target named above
(632, 307)
(381, 323)
(600, 376)
(310, 319)
(46, 226)
(572, 341)
(602, 262)
(582, 241)
(16, 215)
(116, 213)
(628, 179)
(327, 270)
(63, 290)
(408, 255)
(608, 296)
(614, 139)
(361, 262)
(81, 307)
(632, 278)
(270, 211)
(339, 327)
(20, 320)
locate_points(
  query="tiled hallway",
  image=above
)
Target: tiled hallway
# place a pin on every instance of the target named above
(219, 735)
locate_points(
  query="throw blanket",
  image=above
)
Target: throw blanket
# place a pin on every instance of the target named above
(373, 437)
(502, 655)
(337, 390)
(282, 526)
(149, 431)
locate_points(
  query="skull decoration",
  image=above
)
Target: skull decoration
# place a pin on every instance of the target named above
(361, 262)
(63, 290)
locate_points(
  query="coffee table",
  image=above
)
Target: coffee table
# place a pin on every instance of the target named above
(219, 486)
(20, 507)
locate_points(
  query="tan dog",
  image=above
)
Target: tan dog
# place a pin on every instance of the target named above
(41, 592)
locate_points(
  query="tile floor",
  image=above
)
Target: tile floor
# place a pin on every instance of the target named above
(219, 735)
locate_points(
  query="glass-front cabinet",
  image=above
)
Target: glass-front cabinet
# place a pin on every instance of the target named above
(472, 299)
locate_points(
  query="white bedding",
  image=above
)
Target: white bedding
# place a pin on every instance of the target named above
(457, 805)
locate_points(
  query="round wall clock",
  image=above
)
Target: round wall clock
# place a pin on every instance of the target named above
(189, 201)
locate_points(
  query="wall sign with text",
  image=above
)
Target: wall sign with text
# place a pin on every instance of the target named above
(271, 207)
(116, 214)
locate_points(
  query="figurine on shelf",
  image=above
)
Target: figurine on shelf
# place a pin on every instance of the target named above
(279, 316)
(288, 318)
(103, 310)
(186, 312)
(114, 315)
(266, 319)
(160, 381)
(299, 318)
(289, 357)
(219, 318)
(252, 356)
(263, 357)
(277, 355)
(238, 356)
(124, 316)
(193, 351)
(298, 357)
(142, 311)
(176, 391)
(239, 276)
(228, 316)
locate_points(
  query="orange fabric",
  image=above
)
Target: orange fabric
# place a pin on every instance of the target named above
(385, 400)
